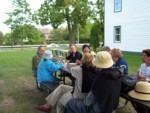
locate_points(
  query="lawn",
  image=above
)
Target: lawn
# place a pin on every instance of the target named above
(18, 93)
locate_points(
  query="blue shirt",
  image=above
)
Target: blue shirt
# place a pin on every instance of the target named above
(121, 63)
(46, 70)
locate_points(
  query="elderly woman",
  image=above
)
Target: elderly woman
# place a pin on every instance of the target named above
(47, 67)
(144, 71)
(84, 76)
(105, 91)
(119, 61)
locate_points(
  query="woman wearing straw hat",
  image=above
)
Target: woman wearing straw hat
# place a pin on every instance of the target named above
(144, 71)
(105, 91)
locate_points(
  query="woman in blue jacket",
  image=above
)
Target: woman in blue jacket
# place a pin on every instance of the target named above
(47, 67)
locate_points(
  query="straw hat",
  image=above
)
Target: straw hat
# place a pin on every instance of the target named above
(48, 54)
(103, 59)
(141, 91)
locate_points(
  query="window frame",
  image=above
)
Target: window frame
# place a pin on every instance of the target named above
(116, 6)
(114, 37)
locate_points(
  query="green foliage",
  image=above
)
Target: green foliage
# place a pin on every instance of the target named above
(58, 11)
(8, 39)
(20, 15)
(84, 32)
(97, 15)
(59, 34)
(95, 36)
(1, 38)
(26, 31)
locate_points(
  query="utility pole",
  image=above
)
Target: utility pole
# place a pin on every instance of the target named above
(78, 34)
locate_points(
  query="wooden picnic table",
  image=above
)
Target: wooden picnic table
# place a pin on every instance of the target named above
(66, 71)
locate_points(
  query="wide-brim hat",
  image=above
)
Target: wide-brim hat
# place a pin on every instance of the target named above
(141, 91)
(103, 59)
(48, 54)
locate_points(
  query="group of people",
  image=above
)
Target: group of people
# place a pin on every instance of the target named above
(97, 79)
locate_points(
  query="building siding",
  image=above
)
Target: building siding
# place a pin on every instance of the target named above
(134, 20)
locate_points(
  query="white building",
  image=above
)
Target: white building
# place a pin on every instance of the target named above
(127, 24)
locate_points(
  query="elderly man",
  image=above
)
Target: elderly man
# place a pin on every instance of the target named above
(36, 59)
(35, 62)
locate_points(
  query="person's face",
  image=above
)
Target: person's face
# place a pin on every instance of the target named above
(72, 49)
(115, 59)
(145, 58)
(86, 50)
(41, 51)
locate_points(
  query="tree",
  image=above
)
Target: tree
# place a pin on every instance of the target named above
(59, 34)
(26, 31)
(84, 32)
(19, 20)
(20, 15)
(1, 38)
(7, 39)
(97, 32)
(55, 12)
(95, 36)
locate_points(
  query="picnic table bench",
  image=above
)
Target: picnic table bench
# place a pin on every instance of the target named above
(48, 86)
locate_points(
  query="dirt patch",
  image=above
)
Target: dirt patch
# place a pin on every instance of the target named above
(7, 102)
(26, 84)
(2, 82)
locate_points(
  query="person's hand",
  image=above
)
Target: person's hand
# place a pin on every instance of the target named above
(63, 60)
(141, 77)
(78, 62)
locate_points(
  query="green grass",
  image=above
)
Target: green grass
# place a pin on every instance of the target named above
(134, 62)
(18, 93)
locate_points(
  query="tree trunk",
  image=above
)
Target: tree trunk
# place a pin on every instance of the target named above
(71, 33)
(70, 28)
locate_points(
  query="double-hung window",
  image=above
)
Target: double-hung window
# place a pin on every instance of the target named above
(117, 5)
(117, 34)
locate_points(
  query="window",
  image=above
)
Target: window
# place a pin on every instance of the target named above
(117, 34)
(117, 5)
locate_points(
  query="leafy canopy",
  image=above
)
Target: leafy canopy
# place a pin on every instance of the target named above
(56, 12)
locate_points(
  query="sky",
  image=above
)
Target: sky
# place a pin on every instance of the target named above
(6, 7)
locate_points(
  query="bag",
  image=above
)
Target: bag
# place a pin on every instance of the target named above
(128, 83)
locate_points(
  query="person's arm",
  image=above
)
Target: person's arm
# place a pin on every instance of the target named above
(140, 74)
(35, 62)
(89, 99)
(55, 66)
(78, 55)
